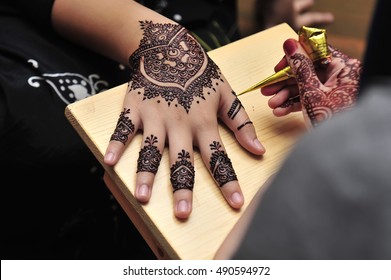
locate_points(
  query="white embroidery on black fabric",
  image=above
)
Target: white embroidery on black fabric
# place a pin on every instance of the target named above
(70, 87)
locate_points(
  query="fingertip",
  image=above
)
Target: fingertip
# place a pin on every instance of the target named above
(328, 18)
(233, 194)
(109, 158)
(247, 137)
(290, 46)
(182, 209)
(259, 147)
(143, 193)
(236, 200)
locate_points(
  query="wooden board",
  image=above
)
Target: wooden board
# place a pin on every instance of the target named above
(243, 63)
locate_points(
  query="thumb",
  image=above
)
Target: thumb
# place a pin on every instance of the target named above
(300, 63)
(307, 80)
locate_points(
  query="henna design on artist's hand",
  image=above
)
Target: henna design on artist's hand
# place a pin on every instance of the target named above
(149, 156)
(291, 101)
(351, 73)
(319, 104)
(123, 128)
(172, 65)
(182, 172)
(220, 165)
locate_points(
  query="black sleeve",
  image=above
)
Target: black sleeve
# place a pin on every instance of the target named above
(3, 113)
(37, 11)
(377, 60)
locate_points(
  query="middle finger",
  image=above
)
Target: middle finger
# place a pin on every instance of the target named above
(182, 172)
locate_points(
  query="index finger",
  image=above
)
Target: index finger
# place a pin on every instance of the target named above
(220, 166)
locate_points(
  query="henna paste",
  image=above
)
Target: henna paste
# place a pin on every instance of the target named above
(149, 156)
(235, 107)
(244, 124)
(220, 165)
(172, 65)
(182, 172)
(123, 128)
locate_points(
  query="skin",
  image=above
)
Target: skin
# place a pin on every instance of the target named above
(179, 113)
(341, 77)
(319, 91)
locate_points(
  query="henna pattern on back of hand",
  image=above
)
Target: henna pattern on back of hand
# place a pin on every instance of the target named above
(172, 65)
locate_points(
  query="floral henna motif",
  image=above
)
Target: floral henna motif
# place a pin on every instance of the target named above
(182, 172)
(220, 165)
(171, 64)
(149, 156)
(124, 128)
(320, 104)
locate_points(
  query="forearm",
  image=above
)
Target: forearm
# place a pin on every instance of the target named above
(109, 27)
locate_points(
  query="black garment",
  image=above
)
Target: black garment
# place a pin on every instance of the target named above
(331, 198)
(55, 204)
(377, 60)
(213, 22)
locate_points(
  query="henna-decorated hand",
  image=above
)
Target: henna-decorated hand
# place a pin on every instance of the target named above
(320, 91)
(176, 94)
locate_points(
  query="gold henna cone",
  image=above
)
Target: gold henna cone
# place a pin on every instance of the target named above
(314, 42)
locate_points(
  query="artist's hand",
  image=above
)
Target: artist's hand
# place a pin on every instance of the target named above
(175, 95)
(320, 91)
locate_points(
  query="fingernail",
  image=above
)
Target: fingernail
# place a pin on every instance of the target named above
(290, 46)
(109, 157)
(143, 191)
(182, 206)
(236, 198)
(258, 145)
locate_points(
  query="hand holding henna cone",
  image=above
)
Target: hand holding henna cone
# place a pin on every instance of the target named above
(314, 41)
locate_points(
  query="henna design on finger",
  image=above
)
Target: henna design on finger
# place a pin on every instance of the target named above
(149, 156)
(244, 124)
(235, 108)
(352, 72)
(220, 165)
(182, 172)
(172, 65)
(123, 128)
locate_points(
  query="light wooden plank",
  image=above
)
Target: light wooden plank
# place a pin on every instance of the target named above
(243, 63)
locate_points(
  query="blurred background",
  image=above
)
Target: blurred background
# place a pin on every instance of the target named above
(347, 33)
(350, 28)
